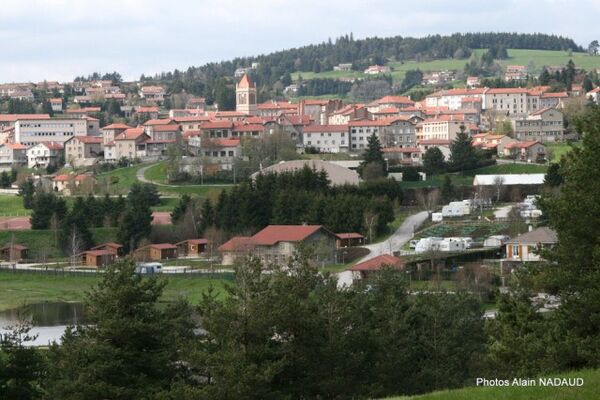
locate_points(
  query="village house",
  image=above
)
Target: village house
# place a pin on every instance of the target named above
(545, 125)
(68, 184)
(156, 252)
(275, 244)
(516, 73)
(12, 155)
(43, 154)
(402, 155)
(398, 102)
(442, 127)
(83, 150)
(452, 98)
(492, 142)
(154, 94)
(552, 100)
(473, 81)
(96, 258)
(528, 150)
(190, 122)
(274, 108)
(377, 69)
(318, 110)
(130, 143)
(56, 104)
(191, 247)
(526, 247)
(326, 138)
(240, 130)
(110, 132)
(348, 113)
(343, 67)
(143, 113)
(443, 145)
(594, 95)
(391, 132)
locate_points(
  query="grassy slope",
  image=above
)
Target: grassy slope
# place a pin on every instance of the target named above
(19, 289)
(158, 174)
(540, 58)
(126, 178)
(589, 391)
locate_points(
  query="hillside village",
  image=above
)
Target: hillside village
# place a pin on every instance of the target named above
(389, 196)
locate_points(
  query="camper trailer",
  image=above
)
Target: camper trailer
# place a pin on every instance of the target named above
(456, 209)
(428, 244)
(437, 217)
(452, 244)
(495, 241)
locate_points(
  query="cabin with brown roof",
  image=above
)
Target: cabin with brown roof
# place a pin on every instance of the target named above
(350, 239)
(115, 248)
(376, 264)
(191, 247)
(14, 252)
(97, 258)
(156, 252)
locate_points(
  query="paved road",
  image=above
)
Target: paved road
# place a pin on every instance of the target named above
(502, 212)
(399, 238)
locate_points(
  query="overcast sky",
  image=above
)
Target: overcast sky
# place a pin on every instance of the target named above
(61, 39)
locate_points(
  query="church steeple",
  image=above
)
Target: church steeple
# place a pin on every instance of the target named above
(245, 95)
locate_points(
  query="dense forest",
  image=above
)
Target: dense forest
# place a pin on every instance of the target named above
(276, 67)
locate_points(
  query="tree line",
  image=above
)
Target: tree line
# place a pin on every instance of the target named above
(277, 66)
(295, 197)
(72, 223)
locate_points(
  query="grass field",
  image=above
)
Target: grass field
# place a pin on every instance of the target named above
(560, 149)
(536, 58)
(589, 391)
(118, 181)
(42, 242)
(12, 206)
(24, 288)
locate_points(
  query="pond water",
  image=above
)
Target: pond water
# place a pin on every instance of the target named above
(48, 320)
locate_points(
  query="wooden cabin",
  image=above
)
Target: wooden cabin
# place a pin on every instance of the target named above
(191, 247)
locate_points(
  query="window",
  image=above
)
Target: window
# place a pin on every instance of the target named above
(515, 251)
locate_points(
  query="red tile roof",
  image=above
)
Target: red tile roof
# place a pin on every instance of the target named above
(375, 264)
(115, 127)
(162, 246)
(245, 82)
(224, 142)
(131, 134)
(325, 128)
(217, 125)
(284, 233)
(237, 243)
(395, 100)
(88, 139)
(15, 117)
(248, 127)
(194, 241)
(152, 122)
(53, 145)
(522, 144)
(165, 128)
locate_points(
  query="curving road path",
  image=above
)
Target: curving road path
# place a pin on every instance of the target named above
(399, 238)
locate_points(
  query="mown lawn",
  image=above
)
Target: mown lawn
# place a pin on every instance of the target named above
(589, 391)
(12, 206)
(25, 288)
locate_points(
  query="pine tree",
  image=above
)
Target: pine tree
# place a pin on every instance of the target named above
(448, 191)
(463, 156)
(433, 161)
(373, 155)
